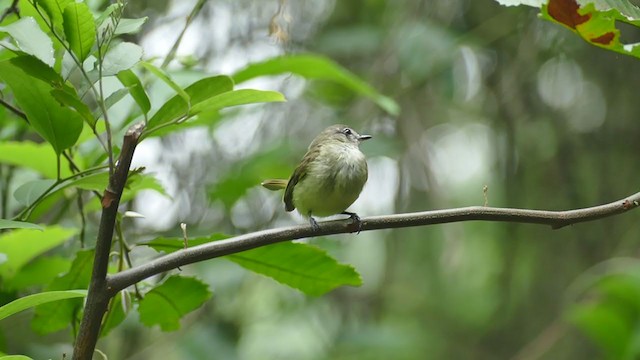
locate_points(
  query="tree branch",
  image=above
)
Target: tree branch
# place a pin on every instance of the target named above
(555, 219)
(19, 113)
(98, 296)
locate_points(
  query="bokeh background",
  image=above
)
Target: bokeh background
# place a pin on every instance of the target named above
(489, 95)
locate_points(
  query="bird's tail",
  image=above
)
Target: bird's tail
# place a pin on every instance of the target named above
(275, 184)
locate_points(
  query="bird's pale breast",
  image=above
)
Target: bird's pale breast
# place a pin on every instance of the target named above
(333, 182)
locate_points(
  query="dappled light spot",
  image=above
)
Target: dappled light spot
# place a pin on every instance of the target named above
(559, 82)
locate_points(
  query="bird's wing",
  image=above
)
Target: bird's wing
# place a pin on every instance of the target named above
(298, 174)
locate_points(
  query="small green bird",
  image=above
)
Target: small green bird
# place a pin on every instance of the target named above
(329, 178)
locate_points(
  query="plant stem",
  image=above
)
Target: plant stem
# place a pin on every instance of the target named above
(555, 219)
(99, 296)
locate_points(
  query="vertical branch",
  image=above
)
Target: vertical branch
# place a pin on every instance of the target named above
(99, 295)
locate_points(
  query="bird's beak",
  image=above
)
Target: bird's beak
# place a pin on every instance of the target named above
(364, 137)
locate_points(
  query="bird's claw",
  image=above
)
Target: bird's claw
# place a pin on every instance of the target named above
(314, 224)
(355, 220)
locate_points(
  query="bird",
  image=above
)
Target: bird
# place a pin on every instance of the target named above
(329, 178)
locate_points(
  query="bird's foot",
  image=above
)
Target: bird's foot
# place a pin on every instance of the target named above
(355, 220)
(314, 224)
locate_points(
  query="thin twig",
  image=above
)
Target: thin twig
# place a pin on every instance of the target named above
(14, 110)
(83, 220)
(555, 219)
(26, 212)
(12, 9)
(174, 49)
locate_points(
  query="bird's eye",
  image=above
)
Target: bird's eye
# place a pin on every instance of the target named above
(346, 131)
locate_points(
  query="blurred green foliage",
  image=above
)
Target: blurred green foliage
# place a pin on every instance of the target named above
(486, 94)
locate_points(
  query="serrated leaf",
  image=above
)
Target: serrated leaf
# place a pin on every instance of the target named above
(138, 182)
(22, 245)
(319, 68)
(10, 224)
(162, 75)
(34, 300)
(197, 92)
(36, 68)
(131, 81)
(54, 9)
(235, 98)
(300, 266)
(57, 316)
(79, 29)
(121, 57)
(168, 302)
(596, 21)
(59, 125)
(31, 39)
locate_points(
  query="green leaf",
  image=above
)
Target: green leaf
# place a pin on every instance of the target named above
(121, 57)
(303, 267)
(10, 224)
(197, 92)
(36, 68)
(104, 19)
(160, 74)
(300, 266)
(96, 182)
(115, 315)
(131, 81)
(30, 301)
(31, 39)
(56, 316)
(112, 99)
(59, 125)
(38, 272)
(15, 357)
(29, 192)
(130, 26)
(54, 9)
(204, 119)
(236, 97)
(319, 68)
(605, 325)
(79, 29)
(38, 157)
(138, 182)
(71, 99)
(168, 302)
(595, 21)
(18, 247)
